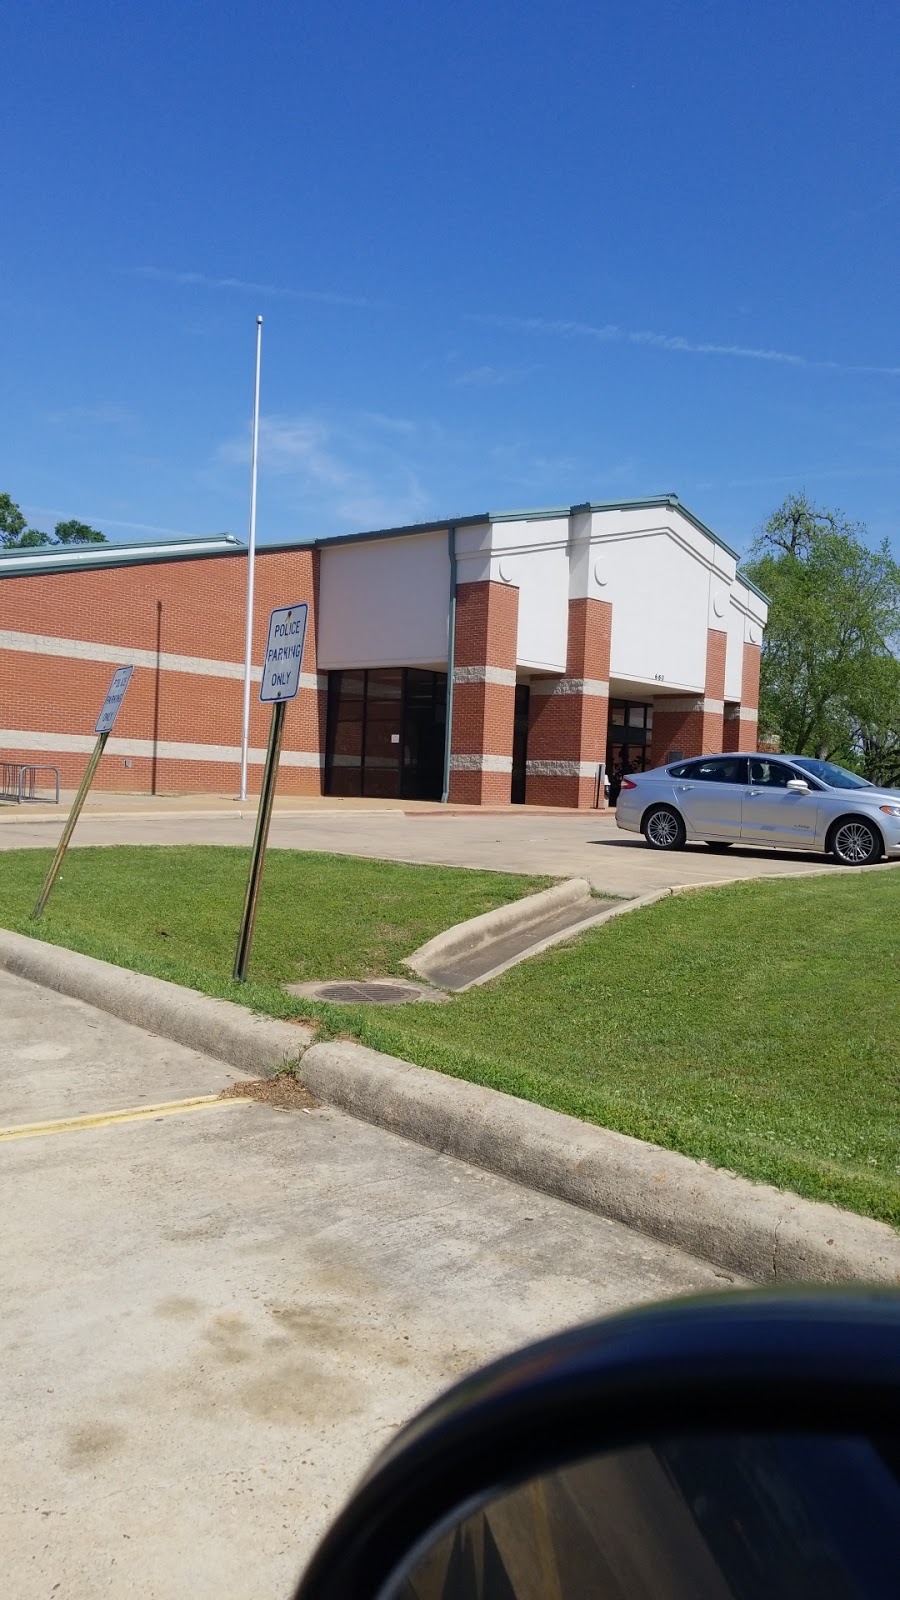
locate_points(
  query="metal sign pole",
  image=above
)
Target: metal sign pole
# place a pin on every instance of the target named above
(260, 839)
(69, 828)
(109, 710)
(251, 569)
(280, 683)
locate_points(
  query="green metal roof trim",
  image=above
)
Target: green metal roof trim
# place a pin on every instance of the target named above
(42, 559)
(535, 514)
(677, 505)
(749, 584)
(406, 532)
(91, 557)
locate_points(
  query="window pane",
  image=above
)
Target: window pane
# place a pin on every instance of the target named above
(721, 769)
(343, 746)
(769, 774)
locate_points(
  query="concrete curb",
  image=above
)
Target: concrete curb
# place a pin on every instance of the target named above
(478, 931)
(216, 1027)
(756, 1231)
(512, 918)
(653, 895)
(750, 1229)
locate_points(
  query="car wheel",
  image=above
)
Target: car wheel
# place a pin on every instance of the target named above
(855, 842)
(663, 829)
(719, 845)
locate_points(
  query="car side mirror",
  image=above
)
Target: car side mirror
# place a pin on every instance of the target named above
(799, 785)
(746, 1445)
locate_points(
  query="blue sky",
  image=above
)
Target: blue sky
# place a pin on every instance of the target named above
(507, 255)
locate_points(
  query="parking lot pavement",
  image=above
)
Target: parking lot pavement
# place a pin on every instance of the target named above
(214, 1316)
(580, 844)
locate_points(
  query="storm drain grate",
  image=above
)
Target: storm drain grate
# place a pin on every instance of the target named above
(375, 992)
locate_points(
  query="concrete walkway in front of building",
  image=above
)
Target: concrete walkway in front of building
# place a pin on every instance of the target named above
(521, 839)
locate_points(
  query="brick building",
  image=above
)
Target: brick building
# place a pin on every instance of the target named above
(557, 639)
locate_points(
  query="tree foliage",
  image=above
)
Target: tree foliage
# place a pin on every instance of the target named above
(74, 532)
(830, 681)
(16, 535)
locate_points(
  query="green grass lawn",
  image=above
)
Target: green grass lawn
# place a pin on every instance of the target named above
(756, 1026)
(174, 911)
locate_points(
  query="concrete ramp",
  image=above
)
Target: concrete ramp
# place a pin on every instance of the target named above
(474, 951)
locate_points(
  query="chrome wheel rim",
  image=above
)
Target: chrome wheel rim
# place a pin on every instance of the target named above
(854, 841)
(662, 829)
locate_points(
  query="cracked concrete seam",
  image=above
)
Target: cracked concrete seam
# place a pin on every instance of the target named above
(755, 1230)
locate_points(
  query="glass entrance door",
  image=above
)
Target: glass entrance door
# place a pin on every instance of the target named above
(424, 725)
(629, 738)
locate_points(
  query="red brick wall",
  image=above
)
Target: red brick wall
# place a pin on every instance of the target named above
(694, 728)
(732, 730)
(741, 730)
(190, 608)
(487, 616)
(716, 646)
(571, 727)
(750, 677)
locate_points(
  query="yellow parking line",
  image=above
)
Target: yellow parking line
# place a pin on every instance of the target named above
(100, 1119)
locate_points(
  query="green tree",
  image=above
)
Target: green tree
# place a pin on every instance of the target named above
(74, 532)
(827, 665)
(876, 723)
(16, 535)
(12, 522)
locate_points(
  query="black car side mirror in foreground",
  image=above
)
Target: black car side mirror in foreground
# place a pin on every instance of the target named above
(745, 1447)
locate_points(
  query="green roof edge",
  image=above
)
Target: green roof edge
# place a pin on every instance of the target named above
(112, 555)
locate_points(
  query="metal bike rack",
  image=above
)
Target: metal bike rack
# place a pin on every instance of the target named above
(20, 783)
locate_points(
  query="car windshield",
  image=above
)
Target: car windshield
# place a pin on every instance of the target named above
(835, 777)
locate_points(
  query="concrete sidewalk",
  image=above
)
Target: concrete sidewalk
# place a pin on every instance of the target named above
(214, 1315)
(106, 803)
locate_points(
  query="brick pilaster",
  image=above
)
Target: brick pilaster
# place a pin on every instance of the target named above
(694, 724)
(568, 715)
(484, 693)
(742, 719)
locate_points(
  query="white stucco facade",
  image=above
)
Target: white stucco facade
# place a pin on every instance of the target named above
(386, 601)
(667, 579)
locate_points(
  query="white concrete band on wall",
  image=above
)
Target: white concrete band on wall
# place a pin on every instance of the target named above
(561, 769)
(584, 686)
(162, 749)
(505, 676)
(481, 764)
(121, 654)
(685, 704)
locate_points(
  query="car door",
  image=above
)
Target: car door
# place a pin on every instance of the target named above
(774, 814)
(709, 795)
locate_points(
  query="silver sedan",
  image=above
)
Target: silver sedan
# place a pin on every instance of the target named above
(791, 801)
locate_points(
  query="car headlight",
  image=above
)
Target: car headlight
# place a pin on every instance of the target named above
(892, 811)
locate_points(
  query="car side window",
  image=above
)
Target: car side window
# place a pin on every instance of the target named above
(769, 774)
(718, 769)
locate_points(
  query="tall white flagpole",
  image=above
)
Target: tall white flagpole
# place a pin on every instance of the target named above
(251, 569)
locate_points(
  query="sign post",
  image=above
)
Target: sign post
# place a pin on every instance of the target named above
(114, 697)
(280, 682)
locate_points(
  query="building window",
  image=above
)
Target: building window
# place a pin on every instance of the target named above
(385, 733)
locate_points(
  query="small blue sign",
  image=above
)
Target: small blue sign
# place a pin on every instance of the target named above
(284, 653)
